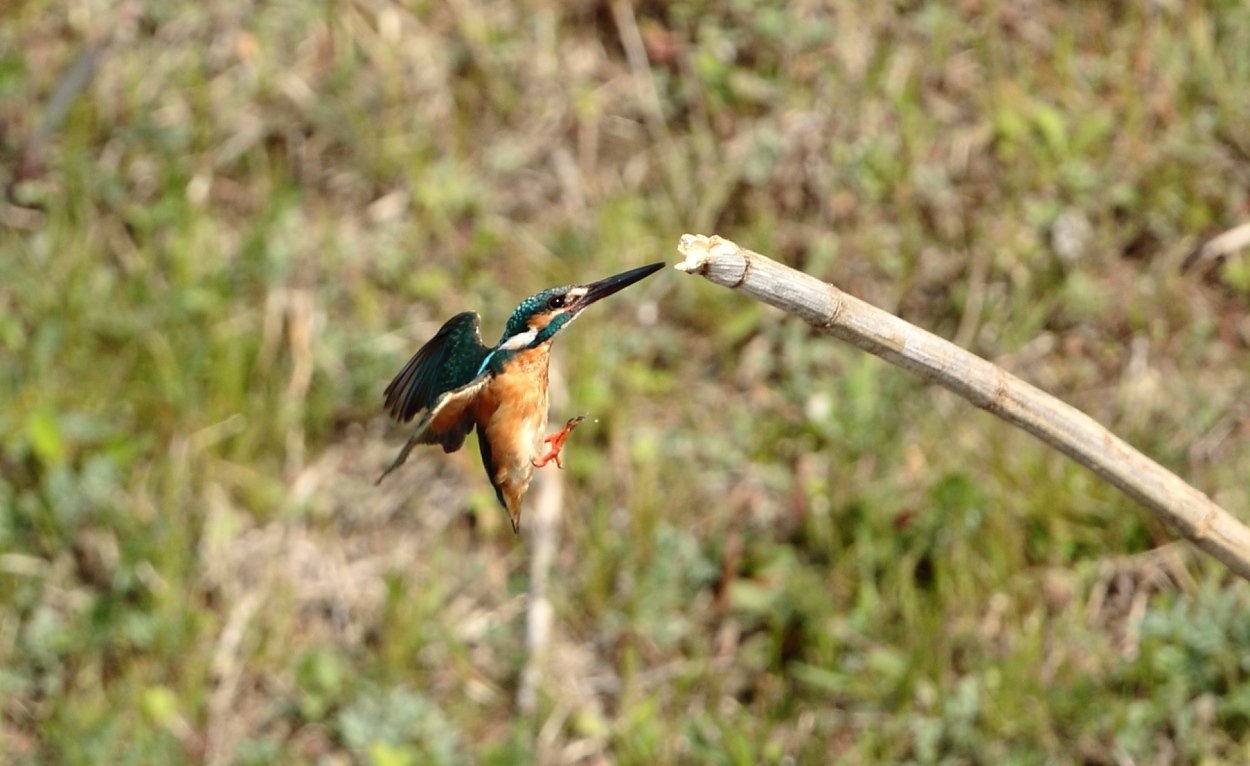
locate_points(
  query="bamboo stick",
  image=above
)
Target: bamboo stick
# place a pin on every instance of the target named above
(986, 385)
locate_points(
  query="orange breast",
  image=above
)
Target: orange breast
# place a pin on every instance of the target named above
(511, 414)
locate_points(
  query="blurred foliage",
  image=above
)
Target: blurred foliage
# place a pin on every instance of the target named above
(215, 253)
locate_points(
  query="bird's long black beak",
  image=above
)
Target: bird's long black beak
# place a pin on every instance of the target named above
(604, 287)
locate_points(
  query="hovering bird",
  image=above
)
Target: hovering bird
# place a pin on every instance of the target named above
(461, 383)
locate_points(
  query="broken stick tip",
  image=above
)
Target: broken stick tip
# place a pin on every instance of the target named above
(699, 249)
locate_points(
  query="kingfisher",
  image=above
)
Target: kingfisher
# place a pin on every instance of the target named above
(460, 383)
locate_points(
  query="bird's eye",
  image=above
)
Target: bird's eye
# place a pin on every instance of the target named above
(555, 302)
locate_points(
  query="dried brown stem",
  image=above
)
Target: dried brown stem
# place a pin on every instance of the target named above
(543, 533)
(986, 385)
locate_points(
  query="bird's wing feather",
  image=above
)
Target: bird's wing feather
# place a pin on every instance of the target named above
(446, 423)
(448, 361)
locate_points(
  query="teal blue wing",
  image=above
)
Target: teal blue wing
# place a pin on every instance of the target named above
(448, 361)
(447, 422)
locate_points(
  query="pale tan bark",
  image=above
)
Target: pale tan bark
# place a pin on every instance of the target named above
(986, 385)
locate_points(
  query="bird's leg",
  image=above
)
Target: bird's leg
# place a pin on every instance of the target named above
(556, 440)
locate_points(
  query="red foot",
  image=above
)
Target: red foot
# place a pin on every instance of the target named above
(556, 440)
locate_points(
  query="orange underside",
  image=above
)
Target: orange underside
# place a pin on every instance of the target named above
(511, 413)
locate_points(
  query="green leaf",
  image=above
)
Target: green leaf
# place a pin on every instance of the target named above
(43, 431)
(385, 754)
(1049, 123)
(160, 704)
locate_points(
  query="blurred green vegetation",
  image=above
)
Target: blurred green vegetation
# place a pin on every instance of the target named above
(775, 549)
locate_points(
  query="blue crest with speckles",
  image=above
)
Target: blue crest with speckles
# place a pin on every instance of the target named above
(518, 322)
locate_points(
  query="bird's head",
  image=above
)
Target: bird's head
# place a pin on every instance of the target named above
(541, 317)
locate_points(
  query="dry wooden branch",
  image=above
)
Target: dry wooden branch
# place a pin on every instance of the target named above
(986, 385)
(543, 532)
(543, 529)
(1218, 248)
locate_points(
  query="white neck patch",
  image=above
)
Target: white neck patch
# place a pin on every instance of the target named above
(519, 341)
(515, 343)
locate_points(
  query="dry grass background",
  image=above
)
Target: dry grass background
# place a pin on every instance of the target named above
(214, 256)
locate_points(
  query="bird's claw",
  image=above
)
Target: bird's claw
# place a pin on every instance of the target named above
(556, 440)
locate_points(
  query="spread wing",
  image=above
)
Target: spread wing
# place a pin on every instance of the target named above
(448, 361)
(442, 379)
(446, 423)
